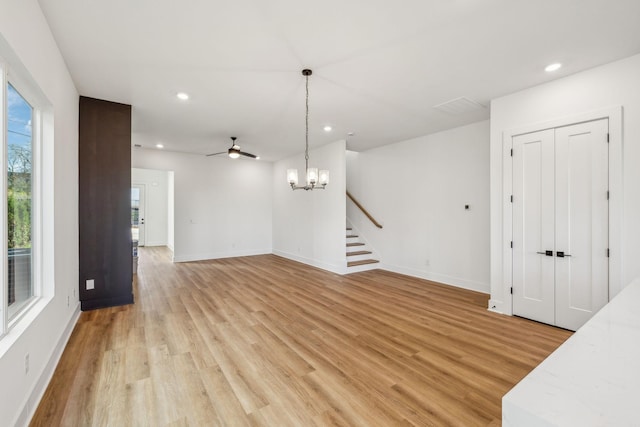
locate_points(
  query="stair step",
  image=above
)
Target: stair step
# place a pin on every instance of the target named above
(351, 235)
(354, 253)
(350, 245)
(349, 229)
(363, 262)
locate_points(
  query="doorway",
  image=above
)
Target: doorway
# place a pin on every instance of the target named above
(560, 223)
(138, 204)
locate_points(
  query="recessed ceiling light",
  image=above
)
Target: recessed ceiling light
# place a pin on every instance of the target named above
(159, 146)
(257, 157)
(350, 134)
(553, 67)
(183, 96)
(327, 128)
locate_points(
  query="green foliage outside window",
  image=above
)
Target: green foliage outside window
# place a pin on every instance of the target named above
(19, 197)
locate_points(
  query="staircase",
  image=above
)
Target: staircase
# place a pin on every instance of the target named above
(359, 257)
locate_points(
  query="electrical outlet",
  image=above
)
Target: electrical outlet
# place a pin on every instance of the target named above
(26, 363)
(90, 284)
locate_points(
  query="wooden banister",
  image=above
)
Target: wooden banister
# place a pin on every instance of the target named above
(364, 211)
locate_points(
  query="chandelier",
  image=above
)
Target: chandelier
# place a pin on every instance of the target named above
(315, 180)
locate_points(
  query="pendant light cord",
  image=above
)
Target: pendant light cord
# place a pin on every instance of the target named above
(306, 149)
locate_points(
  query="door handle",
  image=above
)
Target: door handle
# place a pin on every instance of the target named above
(561, 254)
(547, 253)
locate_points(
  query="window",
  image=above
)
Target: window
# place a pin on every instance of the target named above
(20, 139)
(19, 152)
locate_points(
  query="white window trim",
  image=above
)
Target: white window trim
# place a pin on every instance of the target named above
(4, 319)
(25, 90)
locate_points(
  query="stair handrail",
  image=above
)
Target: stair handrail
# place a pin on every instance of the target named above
(364, 211)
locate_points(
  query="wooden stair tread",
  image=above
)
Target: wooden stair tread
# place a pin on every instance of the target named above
(350, 245)
(351, 235)
(363, 262)
(354, 253)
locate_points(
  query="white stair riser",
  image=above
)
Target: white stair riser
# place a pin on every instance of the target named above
(366, 267)
(358, 257)
(356, 248)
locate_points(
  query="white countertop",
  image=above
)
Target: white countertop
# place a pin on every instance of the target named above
(593, 379)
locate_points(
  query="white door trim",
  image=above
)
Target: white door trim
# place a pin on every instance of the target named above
(614, 114)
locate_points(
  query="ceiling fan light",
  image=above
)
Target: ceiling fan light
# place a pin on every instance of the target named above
(234, 153)
(292, 176)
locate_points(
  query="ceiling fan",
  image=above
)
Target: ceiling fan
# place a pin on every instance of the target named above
(234, 152)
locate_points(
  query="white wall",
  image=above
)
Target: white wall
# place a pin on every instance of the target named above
(614, 84)
(222, 207)
(309, 226)
(156, 194)
(418, 190)
(43, 333)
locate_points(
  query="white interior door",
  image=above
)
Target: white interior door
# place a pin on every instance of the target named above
(533, 226)
(560, 223)
(138, 213)
(582, 222)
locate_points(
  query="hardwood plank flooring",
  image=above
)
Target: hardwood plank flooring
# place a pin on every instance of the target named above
(264, 341)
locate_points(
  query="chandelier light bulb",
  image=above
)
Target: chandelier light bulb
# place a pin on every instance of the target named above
(292, 176)
(312, 176)
(323, 179)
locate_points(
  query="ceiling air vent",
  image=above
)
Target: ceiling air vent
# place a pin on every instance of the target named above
(458, 106)
(137, 145)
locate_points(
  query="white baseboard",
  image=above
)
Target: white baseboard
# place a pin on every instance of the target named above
(496, 306)
(33, 401)
(155, 244)
(338, 269)
(218, 255)
(440, 278)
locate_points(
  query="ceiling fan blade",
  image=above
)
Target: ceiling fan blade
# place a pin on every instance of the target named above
(215, 154)
(253, 156)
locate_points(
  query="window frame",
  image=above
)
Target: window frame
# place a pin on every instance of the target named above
(25, 90)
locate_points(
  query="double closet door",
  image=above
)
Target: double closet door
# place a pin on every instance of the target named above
(560, 223)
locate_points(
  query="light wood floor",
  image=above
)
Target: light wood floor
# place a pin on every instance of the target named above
(263, 341)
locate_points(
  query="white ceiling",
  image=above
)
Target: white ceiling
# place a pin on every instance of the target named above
(379, 66)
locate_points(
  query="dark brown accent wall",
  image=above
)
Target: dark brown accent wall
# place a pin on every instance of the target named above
(104, 158)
